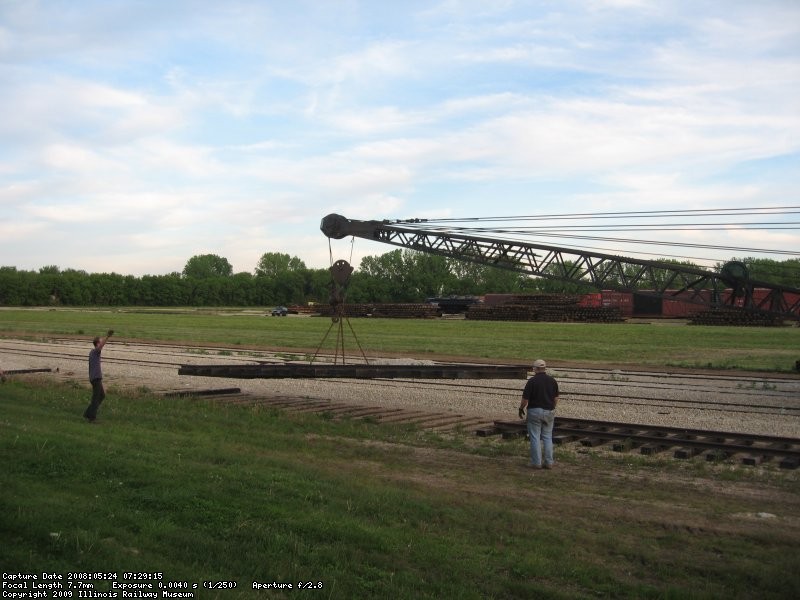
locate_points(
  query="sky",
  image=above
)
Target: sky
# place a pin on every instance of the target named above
(137, 134)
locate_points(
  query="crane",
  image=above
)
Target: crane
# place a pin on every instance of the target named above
(731, 286)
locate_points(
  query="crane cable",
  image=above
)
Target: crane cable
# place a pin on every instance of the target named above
(330, 250)
(447, 225)
(646, 214)
(622, 226)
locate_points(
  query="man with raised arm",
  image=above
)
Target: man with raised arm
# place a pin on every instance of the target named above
(96, 377)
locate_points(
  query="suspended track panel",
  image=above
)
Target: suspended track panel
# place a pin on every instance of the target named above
(310, 371)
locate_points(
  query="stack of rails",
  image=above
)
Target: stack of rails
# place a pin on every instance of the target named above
(388, 311)
(503, 312)
(545, 307)
(732, 316)
(303, 309)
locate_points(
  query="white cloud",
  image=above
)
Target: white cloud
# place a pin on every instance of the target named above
(16, 231)
(238, 126)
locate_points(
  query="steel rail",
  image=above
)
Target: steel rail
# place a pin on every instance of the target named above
(652, 439)
(26, 371)
(82, 357)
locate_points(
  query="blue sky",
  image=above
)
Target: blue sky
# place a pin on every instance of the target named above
(137, 134)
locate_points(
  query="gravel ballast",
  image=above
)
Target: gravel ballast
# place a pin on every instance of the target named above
(746, 403)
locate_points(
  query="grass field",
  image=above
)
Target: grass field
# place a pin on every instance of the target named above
(211, 492)
(202, 492)
(663, 344)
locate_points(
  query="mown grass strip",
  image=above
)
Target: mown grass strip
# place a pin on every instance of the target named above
(203, 491)
(661, 344)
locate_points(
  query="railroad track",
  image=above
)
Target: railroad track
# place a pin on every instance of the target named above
(784, 404)
(748, 449)
(762, 397)
(681, 443)
(778, 396)
(658, 392)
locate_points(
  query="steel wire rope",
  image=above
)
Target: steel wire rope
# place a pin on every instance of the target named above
(678, 245)
(538, 230)
(708, 262)
(625, 214)
(651, 226)
(700, 259)
(705, 262)
(467, 231)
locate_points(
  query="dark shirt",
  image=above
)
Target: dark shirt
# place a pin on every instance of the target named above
(95, 371)
(541, 391)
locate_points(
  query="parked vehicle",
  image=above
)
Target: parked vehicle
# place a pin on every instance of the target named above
(280, 311)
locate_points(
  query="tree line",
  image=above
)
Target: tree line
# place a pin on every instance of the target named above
(280, 279)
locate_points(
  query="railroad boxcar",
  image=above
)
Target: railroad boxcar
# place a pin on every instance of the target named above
(621, 300)
(591, 300)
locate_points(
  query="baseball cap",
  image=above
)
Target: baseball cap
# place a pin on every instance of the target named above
(539, 364)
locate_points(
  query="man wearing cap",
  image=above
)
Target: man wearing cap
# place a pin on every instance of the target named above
(96, 377)
(540, 397)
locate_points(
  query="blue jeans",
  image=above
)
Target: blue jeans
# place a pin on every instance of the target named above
(98, 395)
(540, 426)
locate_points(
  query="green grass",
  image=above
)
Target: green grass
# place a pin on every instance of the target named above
(203, 491)
(660, 344)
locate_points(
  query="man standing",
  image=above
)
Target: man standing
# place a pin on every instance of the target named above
(96, 377)
(540, 397)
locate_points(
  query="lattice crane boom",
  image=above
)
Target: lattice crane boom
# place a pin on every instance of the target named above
(730, 287)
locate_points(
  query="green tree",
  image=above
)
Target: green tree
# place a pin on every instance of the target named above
(470, 278)
(659, 275)
(72, 288)
(380, 279)
(426, 275)
(240, 290)
(167, 290)
(785, 272)
(203, 266)
(11, 286)
(272, 264)
(280, 279)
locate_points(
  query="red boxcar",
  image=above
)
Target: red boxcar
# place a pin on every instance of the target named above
(591, 300)
(621, 300)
